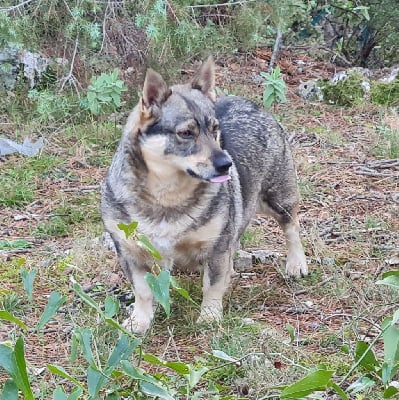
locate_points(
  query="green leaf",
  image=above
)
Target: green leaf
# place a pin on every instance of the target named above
(181, 291)
(7, 360)
(95, 381)
(10, 391)
(23, 383)
(338, 390)
(194, 375)
(6, 316)
(388, 371)
(159, 286)
(128, 229)
(14, 244)
(122, 351)
(83, 336)
(60, 371)
(155, 391)
(55, 301)
(145, 243)
(390, 391)
(75, 394)
(180, 367)
(315, 381)
(223, 356)
(291, 332)
(86, 298)
(368, 361)
(27, 280)
(136, 373)
(111, 307)
(391, 344)
(59, 394)
(390, 278)
(363, 383)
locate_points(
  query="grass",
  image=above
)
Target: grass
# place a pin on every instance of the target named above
(347, 238)
(387, 145)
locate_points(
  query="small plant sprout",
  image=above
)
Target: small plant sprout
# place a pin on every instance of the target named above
(275, 88)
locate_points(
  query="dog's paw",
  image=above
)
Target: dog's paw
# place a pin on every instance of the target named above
(296, 265)
(210, 314)
(137, 325)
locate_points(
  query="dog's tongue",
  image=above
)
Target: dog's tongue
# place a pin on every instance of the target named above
(220, 179)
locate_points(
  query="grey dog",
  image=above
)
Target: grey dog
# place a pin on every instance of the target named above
(192, 170)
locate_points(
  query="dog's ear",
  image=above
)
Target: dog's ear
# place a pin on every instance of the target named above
(204, 79)
(155, 91)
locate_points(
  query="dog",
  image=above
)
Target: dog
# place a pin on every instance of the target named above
(192, 170)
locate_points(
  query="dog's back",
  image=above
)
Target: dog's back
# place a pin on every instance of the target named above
(262, 156)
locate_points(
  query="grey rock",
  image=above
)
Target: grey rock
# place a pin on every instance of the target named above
(264, 256)
(243, 261)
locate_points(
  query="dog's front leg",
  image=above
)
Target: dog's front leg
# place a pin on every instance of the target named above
(135, 265)
(140, 319)
(296, 265)
(216, 280)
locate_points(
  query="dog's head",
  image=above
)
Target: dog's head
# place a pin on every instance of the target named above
(177, 129)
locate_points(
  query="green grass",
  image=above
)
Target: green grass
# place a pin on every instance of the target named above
(20, 178)
(387, 145)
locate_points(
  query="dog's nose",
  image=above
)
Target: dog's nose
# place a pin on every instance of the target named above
(222, 163)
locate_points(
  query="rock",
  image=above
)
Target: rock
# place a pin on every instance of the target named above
(310, 91)
(264, 256)
(391, 77)
(106, 240)
(243, 261)
(13, 59)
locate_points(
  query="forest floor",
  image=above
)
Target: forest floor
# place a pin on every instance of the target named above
(349, 182)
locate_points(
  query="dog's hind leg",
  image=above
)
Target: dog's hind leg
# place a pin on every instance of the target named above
(286, 214)
(216, 280)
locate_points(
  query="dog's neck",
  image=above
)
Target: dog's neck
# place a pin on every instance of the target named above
(171, 188)
(167, 185)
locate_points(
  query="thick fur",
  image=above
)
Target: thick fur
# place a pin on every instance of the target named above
(193, 170)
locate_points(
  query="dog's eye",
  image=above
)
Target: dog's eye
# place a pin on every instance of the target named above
(186, 134)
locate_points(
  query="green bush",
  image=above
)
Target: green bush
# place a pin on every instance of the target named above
(386, 94)
(346, 92)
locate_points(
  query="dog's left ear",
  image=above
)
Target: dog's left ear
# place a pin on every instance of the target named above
(204, 79)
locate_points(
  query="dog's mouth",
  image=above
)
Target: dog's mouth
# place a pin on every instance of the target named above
(220, 179)
(214, 179)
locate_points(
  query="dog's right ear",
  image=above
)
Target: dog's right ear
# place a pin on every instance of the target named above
(155, 90)
(155, 93)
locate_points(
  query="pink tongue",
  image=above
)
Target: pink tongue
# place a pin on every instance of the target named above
(220, 179)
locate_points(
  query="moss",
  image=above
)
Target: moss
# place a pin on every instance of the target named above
(346, 92)
(386, 94)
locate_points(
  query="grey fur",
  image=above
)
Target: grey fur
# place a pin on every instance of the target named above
(175, 143)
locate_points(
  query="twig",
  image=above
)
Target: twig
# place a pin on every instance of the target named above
(70, 77)
(322, 283)
(221, 4)
(11, 8)
(82, 188)
(352, 317)
(371, 172)
(276, 48)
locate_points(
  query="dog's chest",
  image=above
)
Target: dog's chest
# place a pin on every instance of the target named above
(180, 244)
